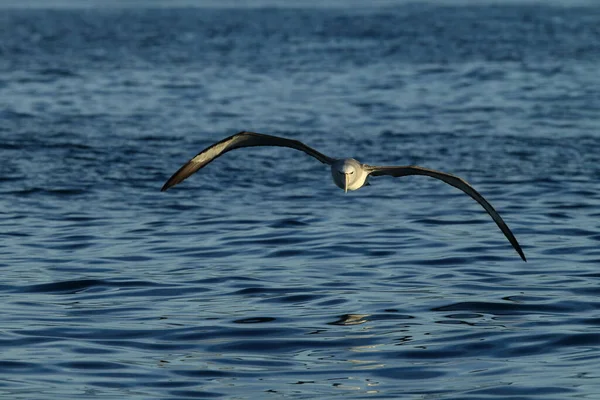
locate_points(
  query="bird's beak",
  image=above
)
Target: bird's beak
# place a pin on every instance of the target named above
(345, 183)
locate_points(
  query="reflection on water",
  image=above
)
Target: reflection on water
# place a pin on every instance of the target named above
(351, 319)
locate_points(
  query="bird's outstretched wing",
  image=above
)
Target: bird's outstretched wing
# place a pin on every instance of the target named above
(239, 140)
(457, 183)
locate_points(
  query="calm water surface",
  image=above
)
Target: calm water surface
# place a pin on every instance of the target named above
(258, 278)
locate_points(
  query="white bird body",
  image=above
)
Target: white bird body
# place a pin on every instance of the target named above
(347, 173)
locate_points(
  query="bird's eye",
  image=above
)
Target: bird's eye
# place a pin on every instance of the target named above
(351, 172)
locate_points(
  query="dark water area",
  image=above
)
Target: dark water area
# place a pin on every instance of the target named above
(257, 277)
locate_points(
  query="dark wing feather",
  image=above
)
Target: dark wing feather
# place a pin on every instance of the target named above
(239, 140)
(457, 183)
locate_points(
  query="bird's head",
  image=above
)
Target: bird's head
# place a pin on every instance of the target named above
(345, 173)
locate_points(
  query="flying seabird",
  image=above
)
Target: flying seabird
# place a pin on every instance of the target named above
(347, 173)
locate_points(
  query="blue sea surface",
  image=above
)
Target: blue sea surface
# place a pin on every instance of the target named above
(257, 278)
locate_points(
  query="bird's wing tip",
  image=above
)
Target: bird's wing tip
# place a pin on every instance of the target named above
(166, 186)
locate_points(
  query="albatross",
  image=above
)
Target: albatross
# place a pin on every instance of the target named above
(347, 173)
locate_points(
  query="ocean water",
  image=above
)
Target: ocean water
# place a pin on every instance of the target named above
(257, 278)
